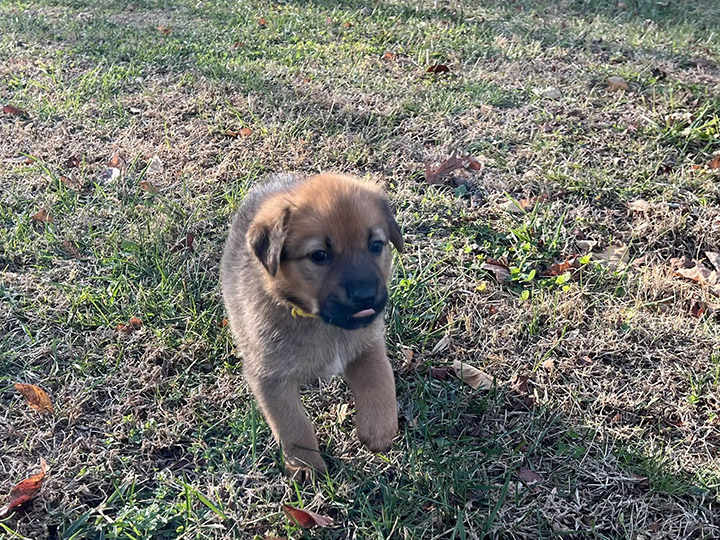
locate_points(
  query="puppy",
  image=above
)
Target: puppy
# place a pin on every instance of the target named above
(304, 276)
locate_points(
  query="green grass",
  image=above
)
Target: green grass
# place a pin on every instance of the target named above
(156, 435)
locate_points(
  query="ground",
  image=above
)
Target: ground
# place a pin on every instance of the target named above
(147, 122)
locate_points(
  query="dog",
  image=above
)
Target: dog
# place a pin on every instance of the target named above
(304, 280)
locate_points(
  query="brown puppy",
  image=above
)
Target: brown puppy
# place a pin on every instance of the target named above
(304, 277)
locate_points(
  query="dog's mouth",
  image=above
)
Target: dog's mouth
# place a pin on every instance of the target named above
(351, 317)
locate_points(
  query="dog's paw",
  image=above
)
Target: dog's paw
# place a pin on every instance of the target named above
(377, 436)
(303, 465)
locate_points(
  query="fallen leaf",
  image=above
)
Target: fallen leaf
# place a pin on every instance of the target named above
(13, 110)
(238, 44)
(155, 166)
(305, 518)
(147, 186)
(528, 476)
(388, 56)
(614, 256)
(262, 21)
(223, 323)
(492, 309)
(714, 258)
(560, 268)
(550, 92)
(347, 24)
(164, 30)
(110, 174)
(72, 183)
(114, 161)
(133, 324)
(500, 269)
(617, 83)
(43, 216)
(472, 376)
(438, 68)
(700, 274)
(521, 384)
(36, 397)
(440, 373)
(698, 309)
(71, 248)
(25, 490)
(184, 244)
(549, 364)
(517, 206)
(585, 245)
(714, 162)
(454, 162)
(474, 164)
(639, 205)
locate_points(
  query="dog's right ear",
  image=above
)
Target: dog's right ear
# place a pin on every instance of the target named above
(266, 236)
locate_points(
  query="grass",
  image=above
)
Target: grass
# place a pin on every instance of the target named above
(603, 422)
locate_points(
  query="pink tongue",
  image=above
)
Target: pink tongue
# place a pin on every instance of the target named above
(364, 313)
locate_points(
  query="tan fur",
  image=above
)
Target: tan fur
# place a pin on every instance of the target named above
(267, 269)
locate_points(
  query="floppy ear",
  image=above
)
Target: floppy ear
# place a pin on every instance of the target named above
(266, 236)
(395, 234)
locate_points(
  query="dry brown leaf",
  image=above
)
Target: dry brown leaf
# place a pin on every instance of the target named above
(262, 21)
(164, 30)
(499, 268)
(617, 83)
(114, 161)
(714, 258)
(147, 186)
(700, 274)
(25, 490)
(186, 244)
(639, 205)
(614, 256)
(76, 184)
(71, 248)
(438, 68)
(307, 519)
(453, 163)
(698, 309)
(388, 56)
(714, 162)
(43, 216)
(13, 110)
(515, 206)
(133, 324)
(473, 376)
(559, 268)
(528, 476)
(36, 397)
(440, 373)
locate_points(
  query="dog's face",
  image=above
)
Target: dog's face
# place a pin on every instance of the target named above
(325, 247)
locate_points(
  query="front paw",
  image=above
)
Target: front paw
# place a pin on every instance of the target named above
(377, 433)
(302, 465)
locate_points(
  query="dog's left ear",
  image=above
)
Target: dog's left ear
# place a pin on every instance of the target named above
(395, 234)
(266, 236)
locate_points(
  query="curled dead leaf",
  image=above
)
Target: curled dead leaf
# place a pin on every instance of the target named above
(133, 324)
(307, 519)
(71, 249)
(36, 397)
(498, 268)
(616, 83)
(438, 68)
(25, 490)
(714, 163)
(476, 378)
(42, 216)
(14, 111)
(639, 205)
(440, 373)
(614, 256)
(529, 477)
(186, 244)
(570, 264)
(147, 186)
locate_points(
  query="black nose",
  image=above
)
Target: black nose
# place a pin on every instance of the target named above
(361, 291)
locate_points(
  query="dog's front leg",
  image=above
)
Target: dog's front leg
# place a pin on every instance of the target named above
(371, 380)
(283, 410)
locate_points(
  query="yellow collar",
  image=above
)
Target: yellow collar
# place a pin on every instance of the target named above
(297, 311)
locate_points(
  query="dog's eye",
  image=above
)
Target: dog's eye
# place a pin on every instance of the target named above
(377, 246)
(320, 256)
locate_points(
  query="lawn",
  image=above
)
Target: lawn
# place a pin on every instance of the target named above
(562, 268)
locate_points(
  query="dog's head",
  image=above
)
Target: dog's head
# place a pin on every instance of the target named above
(325, 247)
